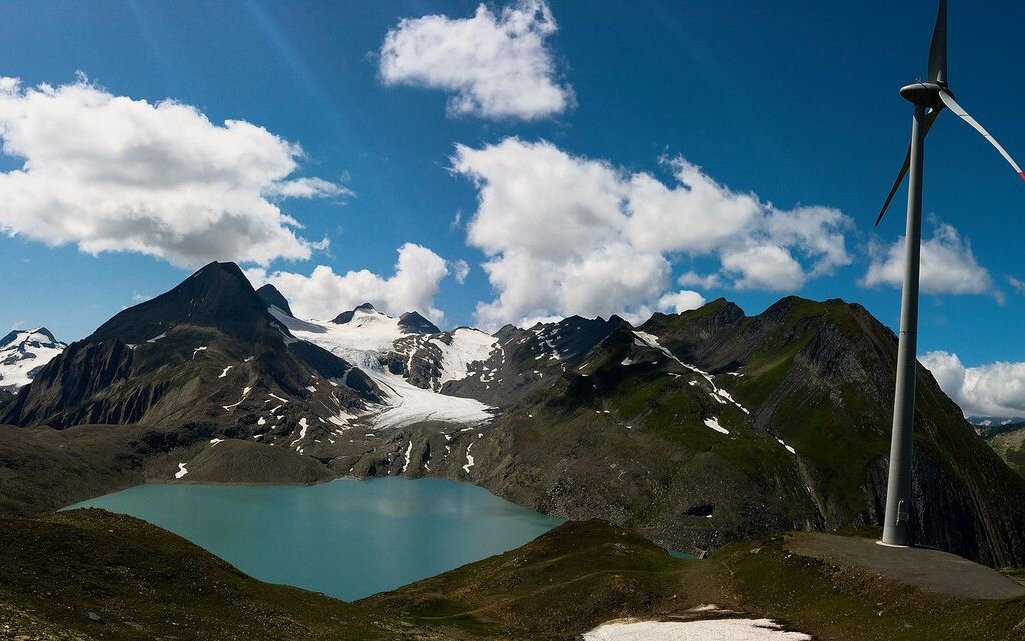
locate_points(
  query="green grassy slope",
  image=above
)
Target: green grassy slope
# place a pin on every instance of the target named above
(91, 574)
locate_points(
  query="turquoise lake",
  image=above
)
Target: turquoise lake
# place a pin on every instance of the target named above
(348, 539)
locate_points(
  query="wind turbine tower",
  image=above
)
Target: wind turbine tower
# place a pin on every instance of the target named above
(929, 99)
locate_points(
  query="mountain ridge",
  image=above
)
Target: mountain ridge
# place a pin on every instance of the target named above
(696, 429)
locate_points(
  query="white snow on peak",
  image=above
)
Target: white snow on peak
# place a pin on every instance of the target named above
(365, 341)
(702, 630)
(24, 354)
(714, 424)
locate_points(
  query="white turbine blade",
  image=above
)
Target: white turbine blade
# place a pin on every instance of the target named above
(938, 48)
(951, 104)
(929, 119)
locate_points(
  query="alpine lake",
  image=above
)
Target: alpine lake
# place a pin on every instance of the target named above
(345, 538)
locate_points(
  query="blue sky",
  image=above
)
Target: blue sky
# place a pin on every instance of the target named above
(795, 102)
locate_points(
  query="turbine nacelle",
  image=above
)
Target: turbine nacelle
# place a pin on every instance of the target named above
(925, 94)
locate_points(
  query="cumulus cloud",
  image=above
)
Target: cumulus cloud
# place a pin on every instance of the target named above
(681, 301)
(324, 294)
(111, 173)
(565, 234)
(997, 389)
(496, 66)
(948, 265)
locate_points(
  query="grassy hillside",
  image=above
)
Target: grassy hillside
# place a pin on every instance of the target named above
(89, 574)
(582, 574)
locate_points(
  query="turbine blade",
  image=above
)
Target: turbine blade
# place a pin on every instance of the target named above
(938, 48)
(926, 125)
(951, 104)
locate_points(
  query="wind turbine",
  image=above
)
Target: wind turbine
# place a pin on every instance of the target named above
(929, 99)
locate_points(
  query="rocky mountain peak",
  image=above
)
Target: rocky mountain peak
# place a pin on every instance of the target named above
(414, 323)
(345, 317)
(39, 337)
(271, 296)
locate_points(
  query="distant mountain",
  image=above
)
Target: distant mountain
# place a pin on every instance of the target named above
(345, 317)
(696, 429)
(1008, 441)
(23, 353)
(990, 425)
(205, 351)
(270, 295)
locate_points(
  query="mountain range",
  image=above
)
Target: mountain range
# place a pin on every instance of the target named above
(695, 429)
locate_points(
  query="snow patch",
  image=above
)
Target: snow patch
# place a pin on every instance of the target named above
(707, 630)
(225, 372)
(713, 423)
(181, 471)
(789, 449)
(469, 459)
(409, 450)
(302, 433)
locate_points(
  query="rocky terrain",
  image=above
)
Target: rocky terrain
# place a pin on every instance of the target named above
(697, 429)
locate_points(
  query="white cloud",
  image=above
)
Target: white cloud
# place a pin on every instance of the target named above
(571, 235)
(681, 301)
(460, 270)
(496, 66)
(764, 267)
(1016, 284)
(948, 265)
(997, 389)
(110, 173)
(324, 294)
(704, 281)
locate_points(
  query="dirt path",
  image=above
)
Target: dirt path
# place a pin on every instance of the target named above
(930, 570)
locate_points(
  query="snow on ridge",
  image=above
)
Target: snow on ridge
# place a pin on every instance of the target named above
(788, 448)
(718, 394)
